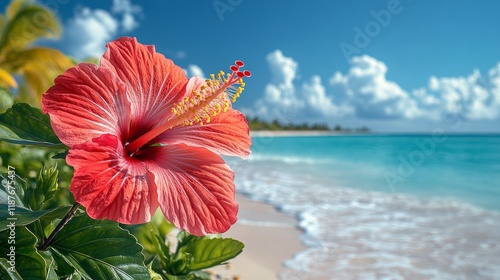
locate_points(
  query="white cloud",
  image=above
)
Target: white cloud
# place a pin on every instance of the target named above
(129, 13)
(194, 70)
(425, 98)
(365, 92)
(494, 81)
(371, 94)
(89, 30)
(317, 99)
(473, 97)
(284, 101)
(280, 100)
(129, 23)
(283, 69)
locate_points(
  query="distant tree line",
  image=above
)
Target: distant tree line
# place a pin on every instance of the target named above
(363, 129)
(257, 124)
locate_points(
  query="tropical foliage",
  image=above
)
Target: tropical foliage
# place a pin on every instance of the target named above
(24, 67)
(47, 233)
(258, 124)
(44, 234)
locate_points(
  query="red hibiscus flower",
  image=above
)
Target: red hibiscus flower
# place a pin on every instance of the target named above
(142, 136)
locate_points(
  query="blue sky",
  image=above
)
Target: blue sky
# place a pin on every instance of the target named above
(390, 65)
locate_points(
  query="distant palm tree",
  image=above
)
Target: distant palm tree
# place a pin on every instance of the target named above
(23, 23)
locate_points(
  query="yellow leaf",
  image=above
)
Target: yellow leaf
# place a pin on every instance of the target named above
(7, 80)
(27, 22)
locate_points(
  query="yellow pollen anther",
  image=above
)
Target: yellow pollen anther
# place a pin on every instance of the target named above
(211, 98)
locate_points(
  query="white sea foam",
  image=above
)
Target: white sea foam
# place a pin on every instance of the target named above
(264, 223)
(358, 234)
(288, 159)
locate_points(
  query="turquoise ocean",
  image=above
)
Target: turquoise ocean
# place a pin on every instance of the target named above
(422, 206)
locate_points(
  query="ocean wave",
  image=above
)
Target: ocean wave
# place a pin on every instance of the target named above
(289, 159)
(360, 234)
(254, 223)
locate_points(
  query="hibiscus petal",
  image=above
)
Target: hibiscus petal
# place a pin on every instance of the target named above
(193, 84)
(195, 188)
(226, 134)
(85, 102)
(155, 83)
(110, 184)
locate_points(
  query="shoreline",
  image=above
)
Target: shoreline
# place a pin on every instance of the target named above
(286, 133)
(271, 237)
(305, 133)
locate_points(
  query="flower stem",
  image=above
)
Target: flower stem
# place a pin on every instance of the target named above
(59, 227)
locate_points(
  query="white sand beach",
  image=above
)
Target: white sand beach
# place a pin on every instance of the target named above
(270, 238)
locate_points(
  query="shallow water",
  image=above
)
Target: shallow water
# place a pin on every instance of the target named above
(439, 219)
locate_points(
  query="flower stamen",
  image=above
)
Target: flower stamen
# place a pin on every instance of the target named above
(212, 98)
(215, 96)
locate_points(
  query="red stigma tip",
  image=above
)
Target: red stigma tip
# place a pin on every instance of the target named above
(247, 73)
(239, 63)
(240, 74)
(234, 68)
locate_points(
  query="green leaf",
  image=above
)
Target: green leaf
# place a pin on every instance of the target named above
(6, 99)
(100, 250)
(4, 197)
(12, 189)
(6, 272)
(51, 264)
(27, 261)
(201, 275)
(23, 124)
(185, 238)
(154, 275)
(61, 155)
(63, 269)
(46, 187)
(22, 216)
(197, 275)
(152, 236)
(159, 221)
(179, 264)
(208, 252)
(157, 242)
